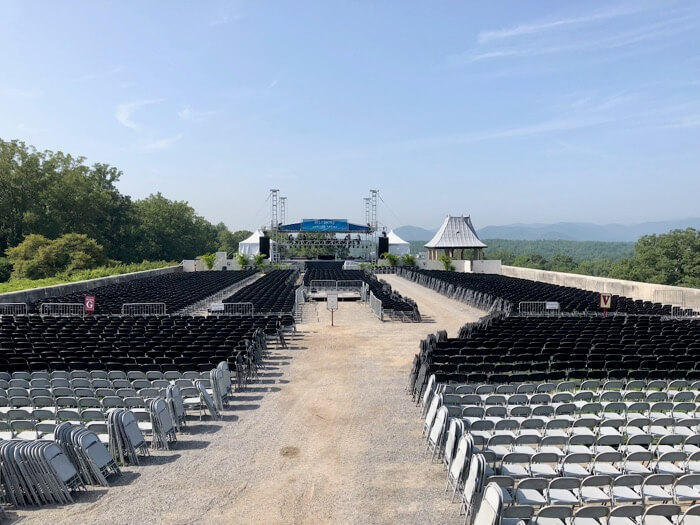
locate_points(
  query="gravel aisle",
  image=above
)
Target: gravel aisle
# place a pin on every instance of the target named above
(327, 436)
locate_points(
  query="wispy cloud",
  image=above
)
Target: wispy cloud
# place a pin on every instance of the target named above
(553, 24)
(538, 41)
(99, 74)
(10, 92)
(125, 111)
(192, 115)
(162, 143)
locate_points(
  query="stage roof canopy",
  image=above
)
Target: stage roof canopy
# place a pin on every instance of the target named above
(325, 226)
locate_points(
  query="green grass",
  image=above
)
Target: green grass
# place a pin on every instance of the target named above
(14, 285)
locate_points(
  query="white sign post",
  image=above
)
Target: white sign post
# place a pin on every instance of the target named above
(332, 303)
(605, 302)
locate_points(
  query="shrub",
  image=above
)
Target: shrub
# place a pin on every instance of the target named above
(447, 262)
(37, 257)
(209, 259)
(391, 258)
(243, 260)
(408, 260)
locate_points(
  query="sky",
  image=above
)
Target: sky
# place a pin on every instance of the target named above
(509, 111)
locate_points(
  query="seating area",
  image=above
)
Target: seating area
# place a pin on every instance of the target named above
(391, 300)
(159, 343)
(502, 349)
(273, 293)
(607, 451)
(62, 430)
(491, 287)
(176, 290)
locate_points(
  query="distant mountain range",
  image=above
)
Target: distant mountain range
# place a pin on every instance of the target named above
(567, 231)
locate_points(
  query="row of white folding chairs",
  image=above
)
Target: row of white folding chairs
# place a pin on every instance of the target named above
(579, 398)
(575, 410)
(470, 475)
(659, 514)
(599, 490)
(502, 444)
(635, 385)
(104, 374)
(562, 426)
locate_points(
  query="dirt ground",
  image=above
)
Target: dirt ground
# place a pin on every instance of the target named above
(327, 435)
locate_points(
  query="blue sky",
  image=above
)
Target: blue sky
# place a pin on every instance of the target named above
(511, 111)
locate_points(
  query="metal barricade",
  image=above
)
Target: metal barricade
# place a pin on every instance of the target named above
(62, 309)
(527, 308)
(684, 312)
(13, 309)
(376, 306)
(349, 285)
(323, 285)
(144, 309)
(672, 297)
(238, 309)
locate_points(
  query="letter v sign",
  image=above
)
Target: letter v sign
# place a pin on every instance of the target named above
(605, 301)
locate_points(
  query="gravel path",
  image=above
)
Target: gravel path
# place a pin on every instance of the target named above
(327, 436)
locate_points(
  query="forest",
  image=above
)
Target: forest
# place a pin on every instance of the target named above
(59, 215)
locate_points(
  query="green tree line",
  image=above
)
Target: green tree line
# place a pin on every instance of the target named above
(51, 194)
(671, 258)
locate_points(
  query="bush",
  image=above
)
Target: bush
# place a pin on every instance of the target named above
(408, 260)
(243, 260)
(209, 259)
(37, 257)
(391, 258)
(259, 260)
(5, 270)
(104, 271)
(447, 262)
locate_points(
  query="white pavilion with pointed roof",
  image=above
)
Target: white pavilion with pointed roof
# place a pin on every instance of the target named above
(454, 236)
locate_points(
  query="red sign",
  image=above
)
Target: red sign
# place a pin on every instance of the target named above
(89, 304)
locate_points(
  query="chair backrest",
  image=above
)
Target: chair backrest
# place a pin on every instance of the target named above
(665, 510)
(473, 484)
(461, 457)
(491, 507)
(565, 483)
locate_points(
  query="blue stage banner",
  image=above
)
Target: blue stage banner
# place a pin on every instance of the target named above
(324, 225)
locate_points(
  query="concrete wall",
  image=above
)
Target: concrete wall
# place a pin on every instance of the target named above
(486, 266)
(660, 293)
(460, 266)
(36, 294)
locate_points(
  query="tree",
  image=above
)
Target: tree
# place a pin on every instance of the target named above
(242, 259)
(5, 270)
(171, 230)
(408, 260)
(209, 260)
(38, 257)
(391, 258)
(671, 258)
(447, 262)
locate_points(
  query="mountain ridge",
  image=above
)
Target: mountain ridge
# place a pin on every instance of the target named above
(566, 231)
